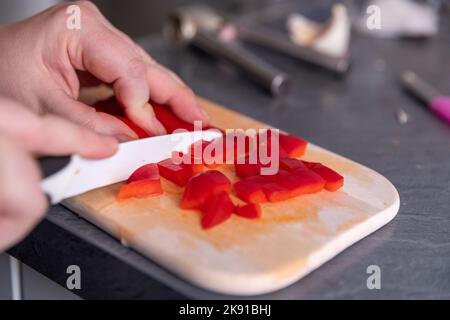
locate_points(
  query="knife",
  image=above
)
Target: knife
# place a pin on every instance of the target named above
(66, 177)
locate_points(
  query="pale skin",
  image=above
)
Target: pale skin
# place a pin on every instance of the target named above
(43, 65)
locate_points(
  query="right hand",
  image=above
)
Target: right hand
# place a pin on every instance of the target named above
(24, 135)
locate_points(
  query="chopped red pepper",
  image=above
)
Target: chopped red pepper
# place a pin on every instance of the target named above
(217, 209)
(209, 158)
(140, 189)
(148, 171)
(294, 146)
(203, 185)
(334, 181)
(286, 186)
(143, 182)
(249, 211)
(178, 173)
(251, 189)
(247, 170)
(291, 164)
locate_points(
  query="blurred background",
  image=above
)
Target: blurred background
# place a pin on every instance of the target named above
(136, 17)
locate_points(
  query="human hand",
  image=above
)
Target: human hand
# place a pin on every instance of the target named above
(24, 135)
(41, 61)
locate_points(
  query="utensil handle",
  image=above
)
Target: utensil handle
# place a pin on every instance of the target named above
(269, 77)
(271, 40)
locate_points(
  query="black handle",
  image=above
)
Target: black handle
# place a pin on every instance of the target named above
(52, 165)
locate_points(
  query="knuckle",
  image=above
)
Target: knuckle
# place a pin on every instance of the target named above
(137, 68)
(87, 6)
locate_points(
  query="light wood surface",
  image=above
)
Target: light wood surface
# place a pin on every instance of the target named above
(246, 257)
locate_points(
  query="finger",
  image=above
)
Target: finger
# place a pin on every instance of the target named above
(57, 136)
(22, 203)
(124, 68)
(52, 135)
(88, 117)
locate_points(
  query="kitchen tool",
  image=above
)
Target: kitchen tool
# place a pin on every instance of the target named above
(200, 27)
(435, 101)
(244, 257)
(75, 175)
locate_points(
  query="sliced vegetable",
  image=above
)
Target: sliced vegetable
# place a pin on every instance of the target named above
(247, 170)
(148, 171)
(178, 173)
(286, 186)
(140, 189)
(334, 181)
(291, 164)
(294, 146)
(217, 209)
(249, 211)
(251, 189)
(203, 185)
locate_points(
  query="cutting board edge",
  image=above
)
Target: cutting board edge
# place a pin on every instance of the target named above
(255, 284)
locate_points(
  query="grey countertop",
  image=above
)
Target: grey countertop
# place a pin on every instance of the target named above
(353, 116)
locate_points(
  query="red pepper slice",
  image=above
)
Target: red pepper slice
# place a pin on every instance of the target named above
(251, 189)
(178, 173)
(286, 186)
(143, 182)
(249, 211)
(334, 181)
(203, 185)
(209, 158)
(294, 146)
(217, 209)
(291, 164)
(148, 171)
(140, 189)
(247, 170)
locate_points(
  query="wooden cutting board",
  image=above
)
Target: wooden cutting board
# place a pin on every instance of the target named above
(244, 257)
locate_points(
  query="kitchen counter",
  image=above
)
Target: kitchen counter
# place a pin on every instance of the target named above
(353, 116)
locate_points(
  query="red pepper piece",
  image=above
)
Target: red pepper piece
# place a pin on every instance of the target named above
(294, 146)
(217, 209)
(148, 171)
(247, 170)
(178, 173)
(249, 211)
(251, 189)
(169, 120)
(209, 158)
(140, 189)
(291, 164)
(334, 181)
(286, 186)
(203, 185)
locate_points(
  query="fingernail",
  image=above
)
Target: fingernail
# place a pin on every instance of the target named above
(158, 127)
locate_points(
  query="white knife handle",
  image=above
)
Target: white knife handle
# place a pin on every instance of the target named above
(55, 185)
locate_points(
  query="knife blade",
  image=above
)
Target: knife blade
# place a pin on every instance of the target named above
(81, 175)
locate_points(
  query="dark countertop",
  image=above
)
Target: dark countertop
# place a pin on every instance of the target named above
(355, 117)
